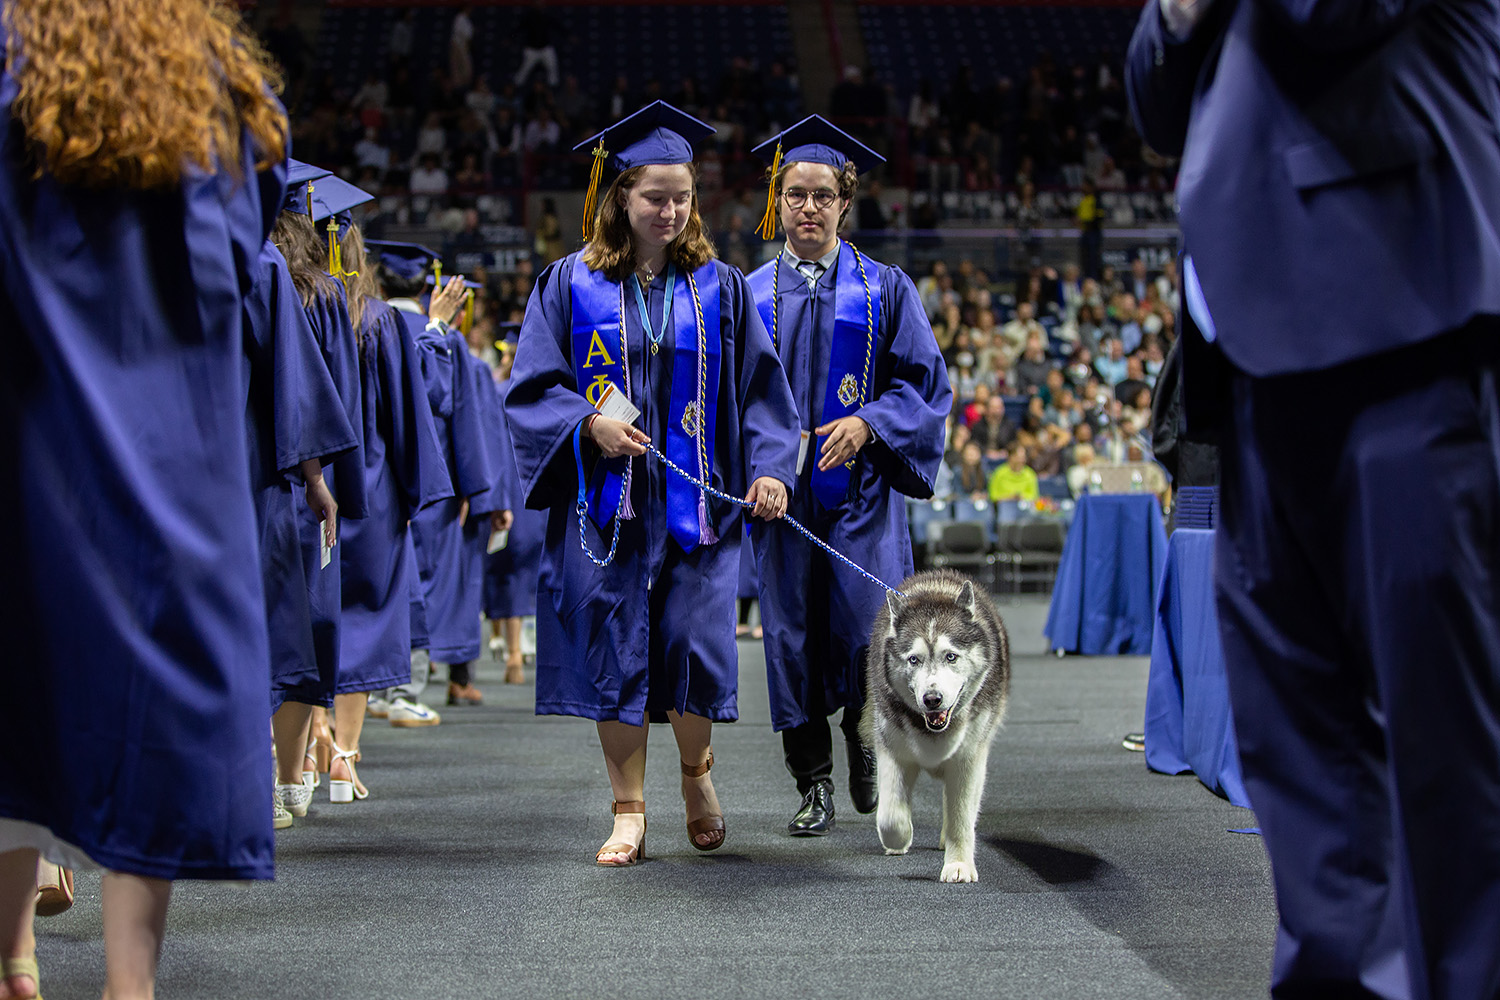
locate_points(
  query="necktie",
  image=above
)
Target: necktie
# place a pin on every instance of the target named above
(811, 270)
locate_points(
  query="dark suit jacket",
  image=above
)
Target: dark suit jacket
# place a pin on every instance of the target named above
(1340, 177)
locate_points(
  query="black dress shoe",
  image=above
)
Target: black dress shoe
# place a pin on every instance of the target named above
(815, 818)
(863, 787)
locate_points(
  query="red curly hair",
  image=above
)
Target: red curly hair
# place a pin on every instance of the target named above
(133, 93)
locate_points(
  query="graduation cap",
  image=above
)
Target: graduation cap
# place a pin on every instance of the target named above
(299, 187)
(409, 260)
(812, 140)
(657, 134)
(509, 336)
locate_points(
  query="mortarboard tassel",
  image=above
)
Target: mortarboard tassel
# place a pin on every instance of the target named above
(767, 227)
(335, 254)
(467, 323)
(309, 199)
(591, 200)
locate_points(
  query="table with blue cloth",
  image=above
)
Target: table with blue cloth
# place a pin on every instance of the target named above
(1188, 724)
(1103, 601)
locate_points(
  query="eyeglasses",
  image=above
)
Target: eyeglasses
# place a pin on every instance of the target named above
(797, 197)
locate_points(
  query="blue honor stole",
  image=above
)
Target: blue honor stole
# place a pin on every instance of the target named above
(851, 361)
(600, 357)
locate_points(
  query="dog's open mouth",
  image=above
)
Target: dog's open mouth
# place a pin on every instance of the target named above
(936, 721)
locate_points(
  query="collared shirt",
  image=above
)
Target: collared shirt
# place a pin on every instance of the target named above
(812, 270)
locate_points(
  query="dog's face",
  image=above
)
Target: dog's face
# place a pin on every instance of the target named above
(935, 655)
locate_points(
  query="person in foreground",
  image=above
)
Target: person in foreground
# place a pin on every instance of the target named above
(641, 624)
(1340, 195)
(872, 394)
(141, 168)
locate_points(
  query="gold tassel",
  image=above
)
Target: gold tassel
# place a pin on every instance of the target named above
(437, 276)
(591, 200)
(767, 227)
(309, 199)
(467, 323)
(335, 253)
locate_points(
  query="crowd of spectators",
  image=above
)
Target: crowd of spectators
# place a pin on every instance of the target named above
(457, 129)
(1066, 380)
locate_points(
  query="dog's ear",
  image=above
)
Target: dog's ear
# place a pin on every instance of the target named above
(894, 605)
(967, 597)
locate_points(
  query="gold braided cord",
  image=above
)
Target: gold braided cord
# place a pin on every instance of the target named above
(591, 200)
(767, 227)
(864, 385)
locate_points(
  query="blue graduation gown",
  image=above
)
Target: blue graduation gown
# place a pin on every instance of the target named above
(404, 472)
(139, 657)
(450, 582)
(329, 318)
(816, 611)
(510, 575)
(293, 414)
(654, 630)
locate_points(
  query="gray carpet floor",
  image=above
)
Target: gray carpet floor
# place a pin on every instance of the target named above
(469, 872)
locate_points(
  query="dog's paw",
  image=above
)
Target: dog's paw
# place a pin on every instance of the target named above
(959, 871)
(895, 834)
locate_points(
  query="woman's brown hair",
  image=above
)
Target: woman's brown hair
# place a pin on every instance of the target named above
(360, 285)
(612, 250)
(306, 257)
(848, 182)
(133, 93)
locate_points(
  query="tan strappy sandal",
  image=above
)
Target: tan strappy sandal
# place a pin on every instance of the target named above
(710, 824)
(632, 852)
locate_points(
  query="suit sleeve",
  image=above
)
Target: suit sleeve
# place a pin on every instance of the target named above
(1161, 74)
(908, 414)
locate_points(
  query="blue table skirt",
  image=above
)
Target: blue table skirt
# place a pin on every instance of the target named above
(1103, 603)
(1188, 723)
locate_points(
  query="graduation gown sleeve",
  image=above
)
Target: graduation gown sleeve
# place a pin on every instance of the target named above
(544, 404)
(329, 318)
(908, 414)
(501, 494)
(412, 446)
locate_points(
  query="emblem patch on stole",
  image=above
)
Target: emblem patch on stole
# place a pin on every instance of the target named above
(690, 418)
(848, 390)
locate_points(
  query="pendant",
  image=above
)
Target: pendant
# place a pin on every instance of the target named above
(653, 348)
(848, 390)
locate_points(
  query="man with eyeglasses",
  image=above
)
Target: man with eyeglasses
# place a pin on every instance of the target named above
(872, 394)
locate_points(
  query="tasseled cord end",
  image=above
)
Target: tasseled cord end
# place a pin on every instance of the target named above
(467, 323)
(335, 251)
(706, 533)
(767, 227)
(591, 200)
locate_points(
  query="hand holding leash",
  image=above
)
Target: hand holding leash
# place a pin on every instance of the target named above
(768, 496)
(616, 438)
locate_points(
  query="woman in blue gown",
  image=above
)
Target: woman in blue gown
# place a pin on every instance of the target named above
(511, 574)
(641, 625)
(404, 471)
(134, 201)
(323, 302)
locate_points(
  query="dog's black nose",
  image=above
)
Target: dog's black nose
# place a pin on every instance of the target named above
(932, 700)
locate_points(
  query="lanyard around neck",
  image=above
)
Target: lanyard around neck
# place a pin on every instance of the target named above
(666, 309)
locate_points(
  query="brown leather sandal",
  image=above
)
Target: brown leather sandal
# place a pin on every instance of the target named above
(711, 824)
(632, 852)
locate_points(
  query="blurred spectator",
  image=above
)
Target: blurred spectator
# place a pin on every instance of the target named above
(542, 133)
(1015, 480)
(1111, 367)
(398, 48)
(1032, 368)
(1019, 330)
(1090, 218)
(481, 100)
(972, 480)
(470, 178)
(974, 408)
(548, 242)
(371, 152)
(537, 47)
(433, 137)
(429, 177)
(1078, 472)
(995, 432)
(460, 44)
(870, 214)
(371, 98)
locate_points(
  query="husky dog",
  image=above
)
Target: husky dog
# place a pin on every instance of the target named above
(938, 672)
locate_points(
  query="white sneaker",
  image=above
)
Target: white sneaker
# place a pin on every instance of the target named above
(496, 645)
(408, 714)
(294, 798)
(280, 818)
(377, 707)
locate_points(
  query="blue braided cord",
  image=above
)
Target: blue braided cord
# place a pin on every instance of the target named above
(706, 488)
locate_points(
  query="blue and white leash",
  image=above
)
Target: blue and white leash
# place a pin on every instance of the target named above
(716, 494)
